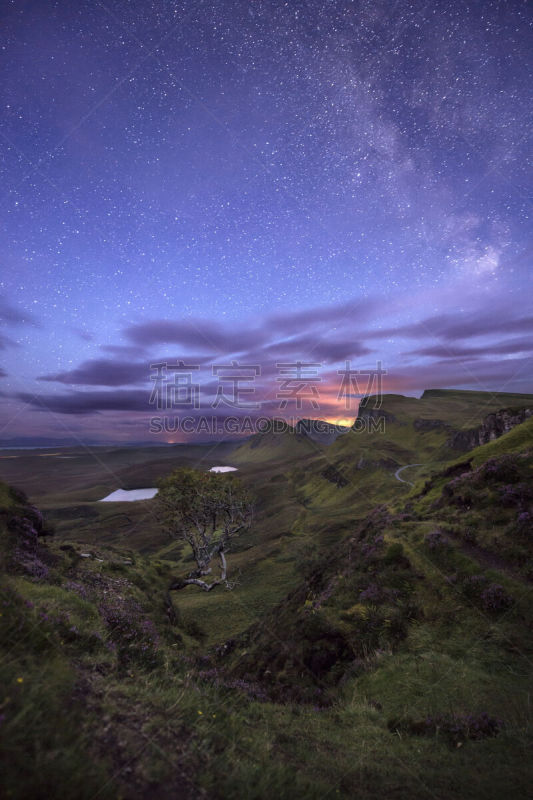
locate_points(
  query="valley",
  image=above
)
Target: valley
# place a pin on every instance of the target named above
(380, 617)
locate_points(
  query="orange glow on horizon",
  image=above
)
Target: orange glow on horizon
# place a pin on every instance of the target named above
(340, 421)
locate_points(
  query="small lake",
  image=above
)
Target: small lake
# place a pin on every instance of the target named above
(125, 495)
(223, 469)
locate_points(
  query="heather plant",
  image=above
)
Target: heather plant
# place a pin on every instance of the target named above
(491, 597)
(79, 588)
(29, 562)
(502, 469)
(130, 632)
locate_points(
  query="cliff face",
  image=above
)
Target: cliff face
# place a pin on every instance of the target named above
(492, 427)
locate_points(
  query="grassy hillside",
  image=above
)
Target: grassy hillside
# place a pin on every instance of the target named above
(378, 641)
(286, 446)
(459, 408)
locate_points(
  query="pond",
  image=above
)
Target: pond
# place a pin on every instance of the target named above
(223, 469)
(125, 495)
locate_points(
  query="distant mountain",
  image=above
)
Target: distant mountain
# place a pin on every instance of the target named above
(286, 444)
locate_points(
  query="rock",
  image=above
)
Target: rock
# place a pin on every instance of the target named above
(493, 426)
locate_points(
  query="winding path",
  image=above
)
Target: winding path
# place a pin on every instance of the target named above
(401, 469)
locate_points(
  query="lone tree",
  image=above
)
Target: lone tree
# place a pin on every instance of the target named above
(206, 510)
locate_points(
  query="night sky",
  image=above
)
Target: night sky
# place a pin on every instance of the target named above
(262, 182)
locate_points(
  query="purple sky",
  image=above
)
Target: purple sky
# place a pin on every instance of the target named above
(263, 183)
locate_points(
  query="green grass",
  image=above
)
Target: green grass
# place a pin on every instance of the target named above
(97, 716)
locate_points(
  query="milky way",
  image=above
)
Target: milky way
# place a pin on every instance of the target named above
(260, 181)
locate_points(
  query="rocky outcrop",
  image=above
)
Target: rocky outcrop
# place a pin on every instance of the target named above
(493, 426)
(23, 527)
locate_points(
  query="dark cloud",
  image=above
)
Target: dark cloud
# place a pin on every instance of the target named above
(311, 347)
(197, 333)
(454, 326)
(103, 372)
(510, 347)
(508, 374)
(223, 339)
(110, 372)
(89, 402)
(328, 336)
(134, 400)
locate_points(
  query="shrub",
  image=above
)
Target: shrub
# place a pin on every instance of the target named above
(131, 633)
(30, 563)
(490, 596)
